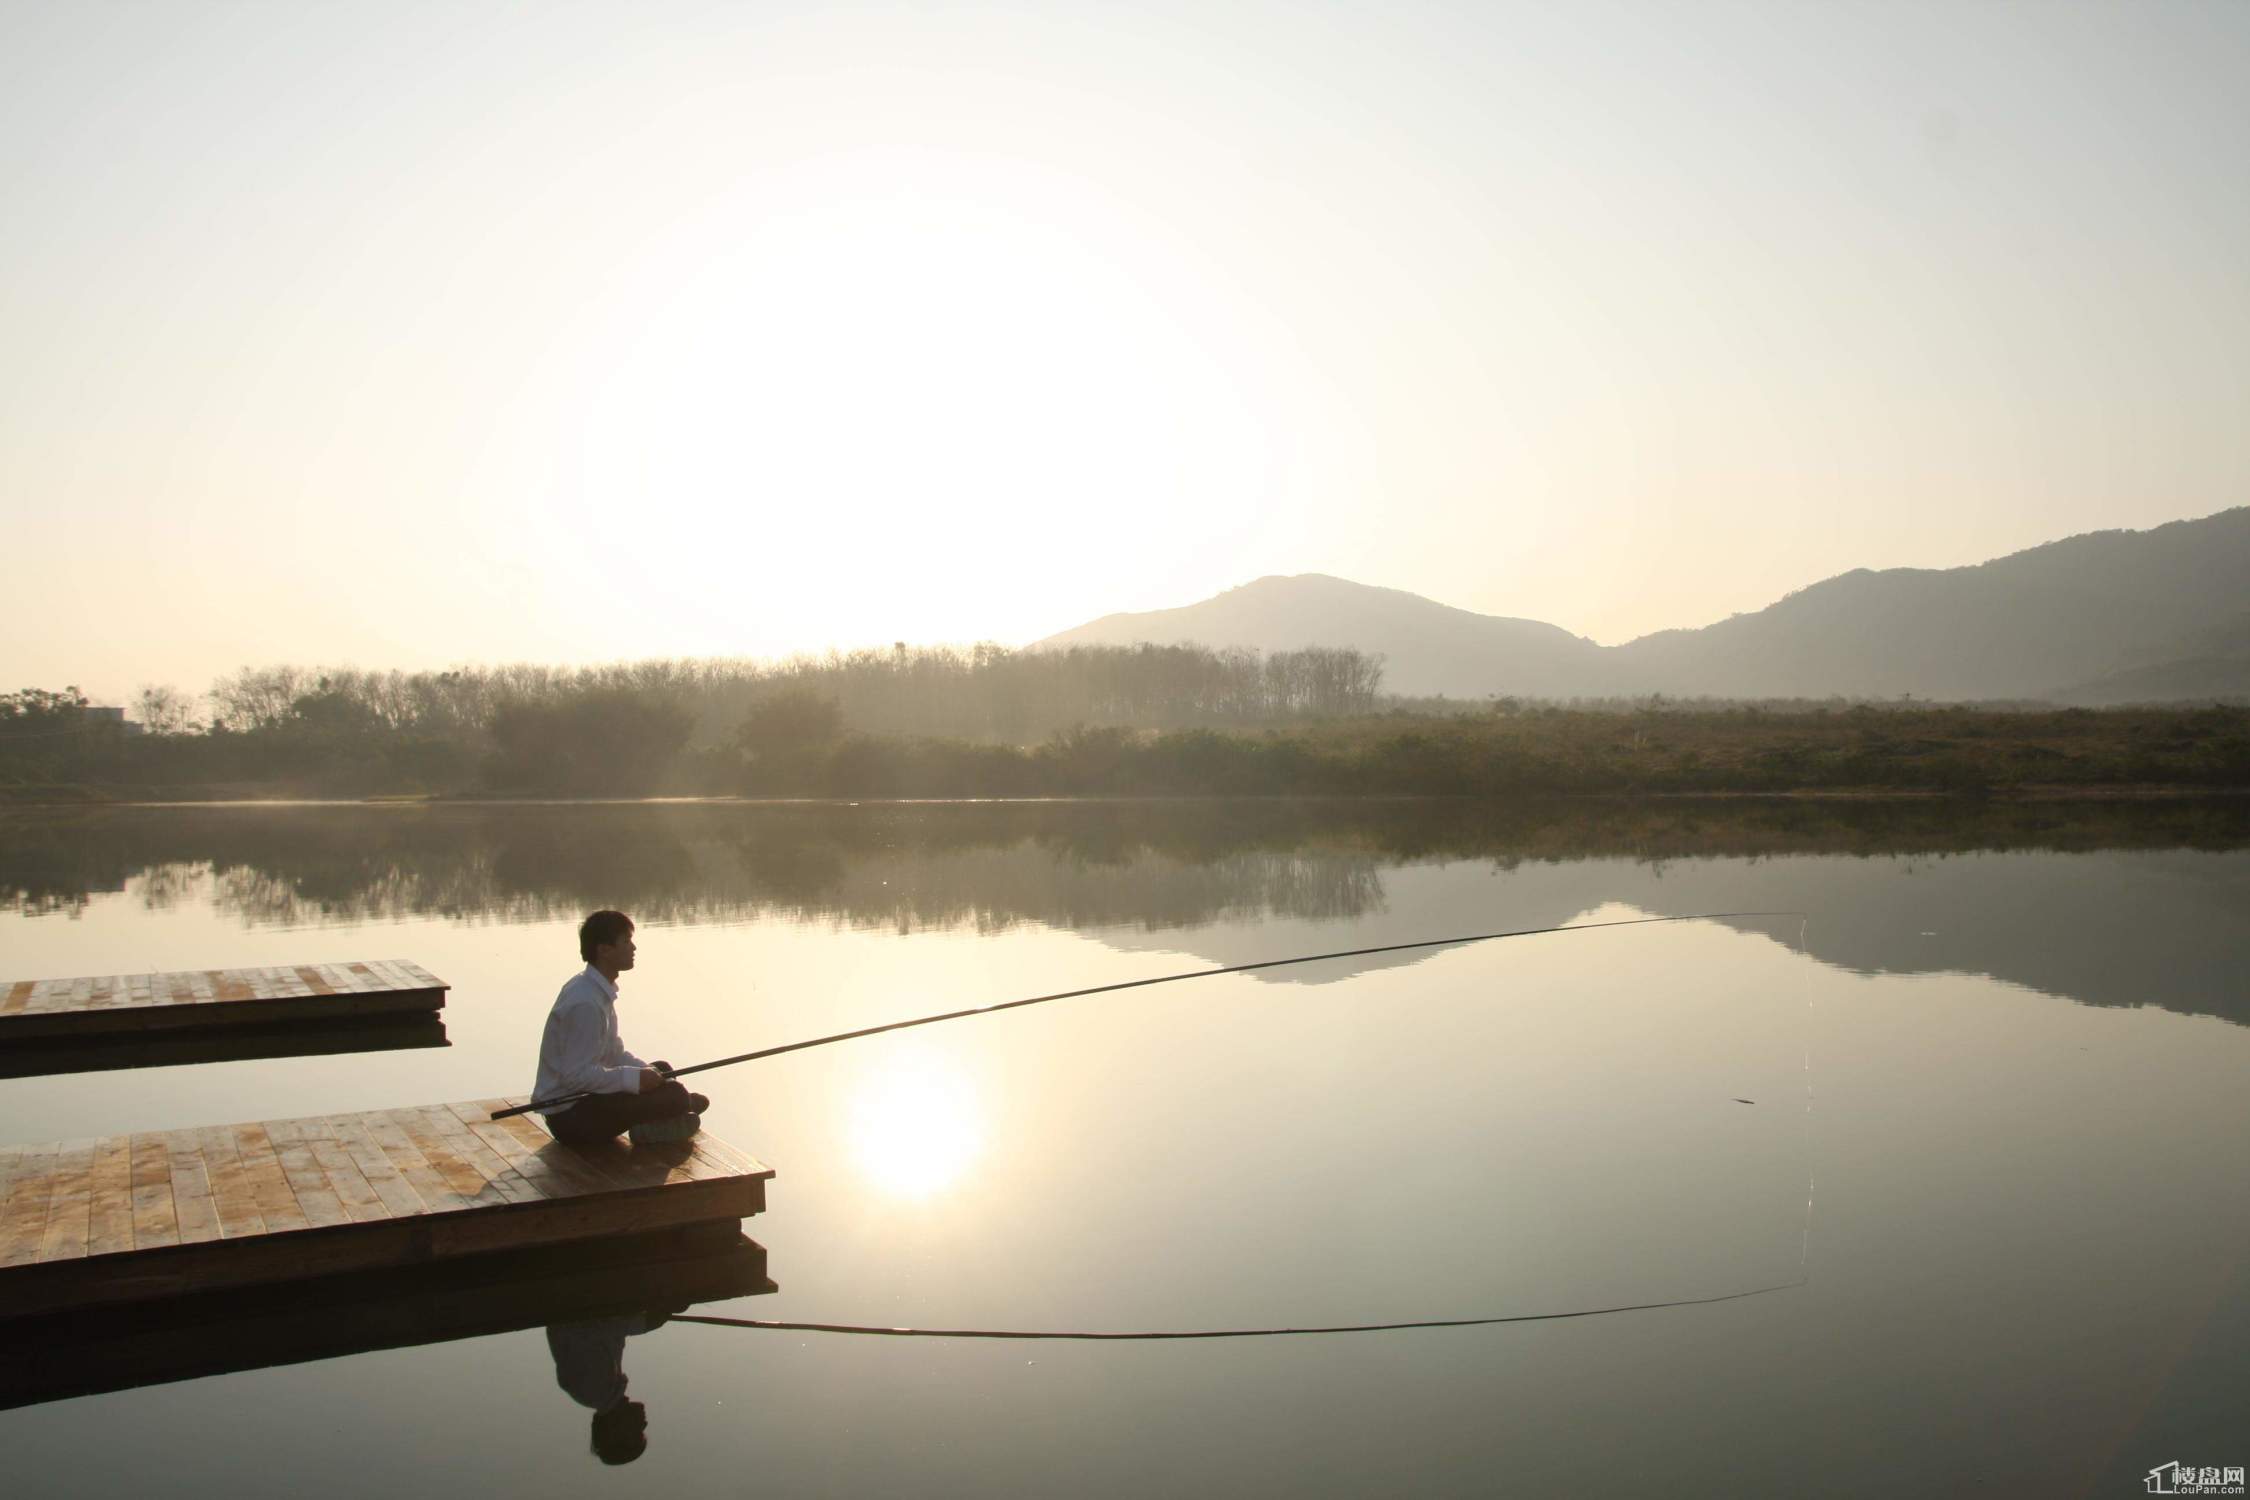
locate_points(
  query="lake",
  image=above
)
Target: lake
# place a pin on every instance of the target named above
(1970, 1133)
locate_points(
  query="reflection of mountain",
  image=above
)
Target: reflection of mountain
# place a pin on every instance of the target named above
(2114, 928)
(2143, 918)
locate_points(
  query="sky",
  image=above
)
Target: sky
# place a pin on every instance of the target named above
(399, 335)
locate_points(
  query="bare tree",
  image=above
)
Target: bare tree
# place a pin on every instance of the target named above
(164, 709)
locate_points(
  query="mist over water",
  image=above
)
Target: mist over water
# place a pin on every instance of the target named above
(1976, 1102)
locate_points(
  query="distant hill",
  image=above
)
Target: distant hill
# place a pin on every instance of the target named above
(1427, 647)
(2109, 617)
(2209, 663)
(2021, 626)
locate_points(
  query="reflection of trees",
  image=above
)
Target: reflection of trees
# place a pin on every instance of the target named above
(991, 890)
(981, 865)
(1219, 866)
(174, 883)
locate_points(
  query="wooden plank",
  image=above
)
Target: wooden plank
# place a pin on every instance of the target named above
(156, 1219)
(345, 1179)
(308, 1184)
(535, 1137)
(689, 1162)
(439, 1195)
(28, 1196)
(381, 1173)
(232, 1193)
(194, 1212)
(14, 1161)
(534, 1153)
(262, 1165)
(632, 1168)
(461, 1176)
(69, 1206)
(109, 1192)
(497, 1168)
(729, 1159)
(621, 1166)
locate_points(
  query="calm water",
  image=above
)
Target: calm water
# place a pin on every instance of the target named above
(1992, 1154)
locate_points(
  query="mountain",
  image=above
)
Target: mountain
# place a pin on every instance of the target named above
(2108, 617)
(2213, 662)
(1427, 647)
(2021, 626)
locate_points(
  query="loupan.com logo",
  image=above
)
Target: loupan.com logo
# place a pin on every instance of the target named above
(2176, 1478)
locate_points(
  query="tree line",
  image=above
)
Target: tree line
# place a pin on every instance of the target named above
(651, 726)
(639, 731)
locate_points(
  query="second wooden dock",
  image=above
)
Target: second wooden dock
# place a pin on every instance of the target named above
(108, 1004)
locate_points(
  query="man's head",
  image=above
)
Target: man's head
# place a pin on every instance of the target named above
(605, 940)
(621, 1433)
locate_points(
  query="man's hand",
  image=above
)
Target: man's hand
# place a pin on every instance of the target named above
(651, 1080)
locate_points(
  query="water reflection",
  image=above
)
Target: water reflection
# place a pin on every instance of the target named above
(2028, 1196)
(572, 1287)
(589, 1357)
(1930, 887)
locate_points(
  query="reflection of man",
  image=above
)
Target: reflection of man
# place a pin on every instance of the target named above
(590, 1366)
(581, 1053)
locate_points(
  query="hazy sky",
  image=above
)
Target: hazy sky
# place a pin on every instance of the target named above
(403, 335)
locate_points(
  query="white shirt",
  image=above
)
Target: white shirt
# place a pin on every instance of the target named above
(581, 1052)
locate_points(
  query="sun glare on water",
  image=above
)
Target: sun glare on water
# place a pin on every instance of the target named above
(915, 1125)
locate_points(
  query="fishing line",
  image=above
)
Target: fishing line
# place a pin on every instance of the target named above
(1804, 1270)
(1133, 984)
(862, 1330)
(1210, 1333)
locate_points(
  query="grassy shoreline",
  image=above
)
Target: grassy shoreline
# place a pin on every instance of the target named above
(109, 797)
(1657, 751)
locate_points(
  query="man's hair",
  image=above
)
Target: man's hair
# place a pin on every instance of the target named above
(602, 927)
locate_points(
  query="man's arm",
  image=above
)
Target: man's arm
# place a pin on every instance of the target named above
(576, 1040)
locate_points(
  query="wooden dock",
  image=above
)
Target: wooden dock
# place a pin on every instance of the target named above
(91, 1350)
(127, 1218)
(106, 1004)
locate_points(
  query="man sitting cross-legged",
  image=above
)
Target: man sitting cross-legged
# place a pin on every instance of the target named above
(582, 1053)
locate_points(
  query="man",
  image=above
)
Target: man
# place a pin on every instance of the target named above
(581, 1052)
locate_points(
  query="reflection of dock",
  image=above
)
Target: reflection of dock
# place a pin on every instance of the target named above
(113, 1004)
(165, 1049)
(131, 1218)
(85, 1352)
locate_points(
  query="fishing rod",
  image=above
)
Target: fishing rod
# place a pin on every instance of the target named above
(772, 1325)
(1133, 984)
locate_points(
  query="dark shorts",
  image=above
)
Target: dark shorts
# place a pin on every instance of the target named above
(606, 1115)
